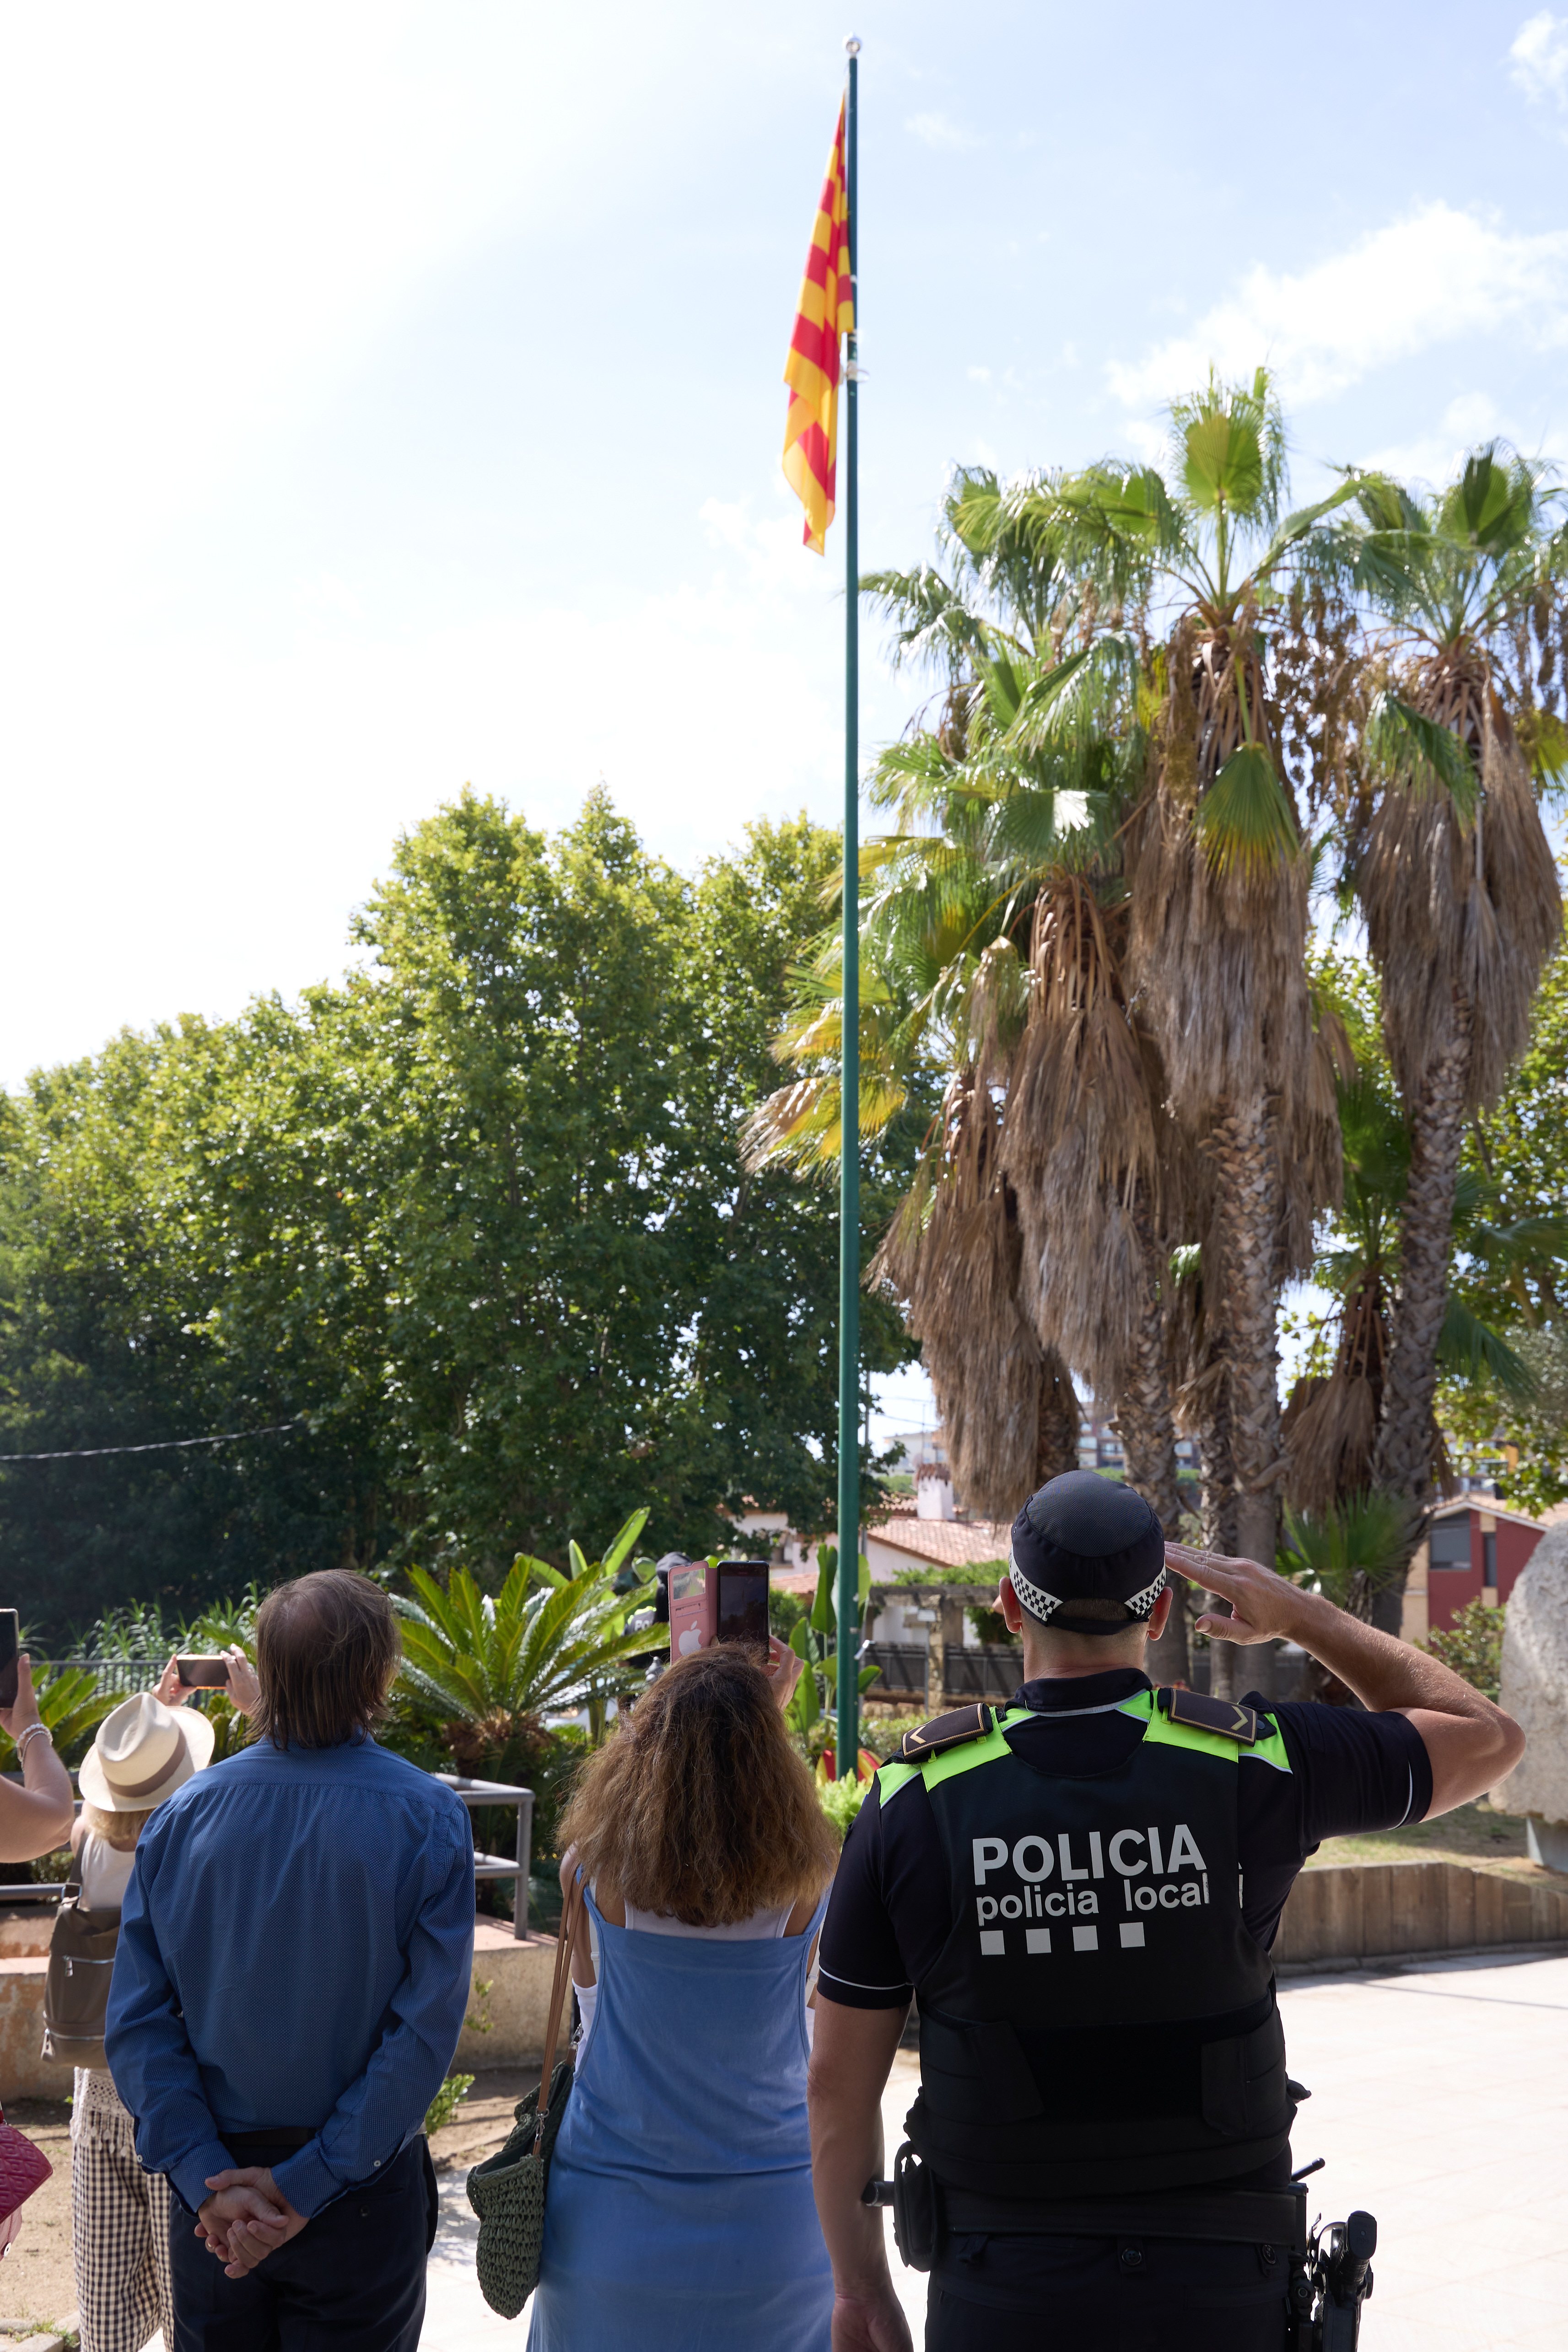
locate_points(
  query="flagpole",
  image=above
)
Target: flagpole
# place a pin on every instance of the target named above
(848, 1692)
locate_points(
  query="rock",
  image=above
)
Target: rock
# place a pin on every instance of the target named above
(1535, 1681)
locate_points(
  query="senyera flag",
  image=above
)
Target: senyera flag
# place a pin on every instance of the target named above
(826, 311)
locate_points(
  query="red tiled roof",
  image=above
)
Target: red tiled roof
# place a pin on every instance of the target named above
(945, 1543)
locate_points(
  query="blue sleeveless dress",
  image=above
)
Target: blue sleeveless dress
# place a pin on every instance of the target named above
(679, 2214)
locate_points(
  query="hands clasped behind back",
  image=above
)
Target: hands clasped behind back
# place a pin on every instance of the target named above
(246, 2219)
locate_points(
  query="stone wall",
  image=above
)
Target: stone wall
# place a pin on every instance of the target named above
(505, 2025)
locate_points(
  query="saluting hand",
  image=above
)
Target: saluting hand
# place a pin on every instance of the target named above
(1266, 1605)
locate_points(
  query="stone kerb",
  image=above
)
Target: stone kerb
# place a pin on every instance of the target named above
(1378, 1910)
(1535, 1682)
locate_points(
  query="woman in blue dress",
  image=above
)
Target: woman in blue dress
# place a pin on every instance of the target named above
(679, 2215)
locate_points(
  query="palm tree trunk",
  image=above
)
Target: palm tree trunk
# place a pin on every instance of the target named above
(1402, 1464)
(1057, 1427)
(1147, 1427)
(1248, 1205)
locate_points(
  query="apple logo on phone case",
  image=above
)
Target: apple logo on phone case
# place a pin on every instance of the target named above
(690, 1639)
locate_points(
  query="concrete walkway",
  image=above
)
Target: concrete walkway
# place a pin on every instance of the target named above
(1441, 2104)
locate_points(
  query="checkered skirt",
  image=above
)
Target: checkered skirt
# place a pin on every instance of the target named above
(120, 2225)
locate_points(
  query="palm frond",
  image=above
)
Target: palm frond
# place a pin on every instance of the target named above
(1244, 821)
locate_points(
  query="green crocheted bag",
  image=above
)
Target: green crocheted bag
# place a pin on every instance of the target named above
(507, 2191)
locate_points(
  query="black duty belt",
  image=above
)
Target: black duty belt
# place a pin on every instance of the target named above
(1260, 2217)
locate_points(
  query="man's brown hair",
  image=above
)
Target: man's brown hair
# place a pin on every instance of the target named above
(326, 1651)
(699, 1807)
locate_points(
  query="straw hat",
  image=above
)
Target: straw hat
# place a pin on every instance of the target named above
(143, 1753)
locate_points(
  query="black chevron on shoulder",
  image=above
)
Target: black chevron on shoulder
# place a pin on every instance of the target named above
(944, 1731)
(1229, 1718)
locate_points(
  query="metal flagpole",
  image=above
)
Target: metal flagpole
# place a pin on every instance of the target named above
(848, 1730)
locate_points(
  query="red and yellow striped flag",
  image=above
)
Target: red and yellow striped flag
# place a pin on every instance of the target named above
(826, 311)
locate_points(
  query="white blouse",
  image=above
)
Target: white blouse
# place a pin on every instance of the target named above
(105, 1872)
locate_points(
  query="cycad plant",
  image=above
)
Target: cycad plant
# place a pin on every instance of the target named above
(482, 1670)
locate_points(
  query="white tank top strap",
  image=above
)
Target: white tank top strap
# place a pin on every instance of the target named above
(761, 1927)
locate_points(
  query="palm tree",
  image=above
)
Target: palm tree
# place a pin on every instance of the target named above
(1219, 872)
(995, 920)
(1453, 868)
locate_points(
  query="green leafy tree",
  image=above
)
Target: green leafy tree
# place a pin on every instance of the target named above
(473, 1224)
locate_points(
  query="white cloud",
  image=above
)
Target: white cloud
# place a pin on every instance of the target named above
(1539, 55)
(979, 375)
(1438, 275)
(936, 131)
(1437, 457)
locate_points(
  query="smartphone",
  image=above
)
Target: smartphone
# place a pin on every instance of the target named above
(742, 1611)
(10, 1643)
(203, 1674)
(692, 1600)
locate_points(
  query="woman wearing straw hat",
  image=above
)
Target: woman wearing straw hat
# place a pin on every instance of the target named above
(144, 1750)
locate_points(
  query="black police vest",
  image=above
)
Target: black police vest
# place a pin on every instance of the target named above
(1099, 2020)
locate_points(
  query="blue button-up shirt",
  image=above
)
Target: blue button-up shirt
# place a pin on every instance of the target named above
(296, 1948)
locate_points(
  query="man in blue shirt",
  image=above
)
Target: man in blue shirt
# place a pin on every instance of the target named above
(294, 1964)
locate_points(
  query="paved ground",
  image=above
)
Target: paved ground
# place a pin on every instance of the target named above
(1441, 2104)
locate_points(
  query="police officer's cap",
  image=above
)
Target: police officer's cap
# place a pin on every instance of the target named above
(1083, 1537)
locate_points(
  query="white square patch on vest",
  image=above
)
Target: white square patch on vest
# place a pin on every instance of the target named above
(1131, 1935)
(1037, 1939)
(993, 1943)
(1085, 1939)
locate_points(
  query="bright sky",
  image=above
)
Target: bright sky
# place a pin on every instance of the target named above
(392, 396)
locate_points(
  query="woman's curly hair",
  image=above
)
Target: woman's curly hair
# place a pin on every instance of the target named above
(699, 1807)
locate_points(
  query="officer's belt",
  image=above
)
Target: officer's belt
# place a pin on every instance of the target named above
(1251, 2217)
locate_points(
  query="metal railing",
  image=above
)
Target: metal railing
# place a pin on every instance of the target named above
(994, 1671)
(901, 1669)
(123, 1677)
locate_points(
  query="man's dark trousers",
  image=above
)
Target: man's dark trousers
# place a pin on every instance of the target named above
(352, 2280)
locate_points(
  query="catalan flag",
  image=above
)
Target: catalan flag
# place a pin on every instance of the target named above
(826, 311)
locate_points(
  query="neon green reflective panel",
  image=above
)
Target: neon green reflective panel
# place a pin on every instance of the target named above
(1270, 1750)
(989, 1750)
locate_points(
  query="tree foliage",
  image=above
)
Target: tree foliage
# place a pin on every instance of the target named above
(471, 1223)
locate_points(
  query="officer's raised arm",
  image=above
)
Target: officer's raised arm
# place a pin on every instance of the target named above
(1471, 1743)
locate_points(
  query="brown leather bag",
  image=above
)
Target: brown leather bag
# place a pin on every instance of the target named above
(76, 1989)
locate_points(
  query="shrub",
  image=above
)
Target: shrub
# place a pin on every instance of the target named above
(1472, 1646)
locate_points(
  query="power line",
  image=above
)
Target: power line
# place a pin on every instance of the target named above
(162, 1445)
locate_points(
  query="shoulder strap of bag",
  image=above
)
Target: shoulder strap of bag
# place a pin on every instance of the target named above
(570, 1912)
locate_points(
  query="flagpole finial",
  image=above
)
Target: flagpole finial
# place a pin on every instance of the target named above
(852, 43)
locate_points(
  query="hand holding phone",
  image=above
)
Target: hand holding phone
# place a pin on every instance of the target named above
(203, 1674)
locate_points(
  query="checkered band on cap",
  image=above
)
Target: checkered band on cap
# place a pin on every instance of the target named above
(1043, 1606)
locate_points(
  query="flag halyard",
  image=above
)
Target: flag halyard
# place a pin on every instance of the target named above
(826, 313)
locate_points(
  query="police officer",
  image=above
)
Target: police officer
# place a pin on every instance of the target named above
(1082, 1890)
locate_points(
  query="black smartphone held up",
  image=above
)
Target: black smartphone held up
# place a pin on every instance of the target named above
(203, 1674)
(742, 1614)
(10, 1643)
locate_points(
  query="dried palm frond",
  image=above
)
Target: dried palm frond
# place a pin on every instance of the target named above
(1461, 902)
(953, 1255)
